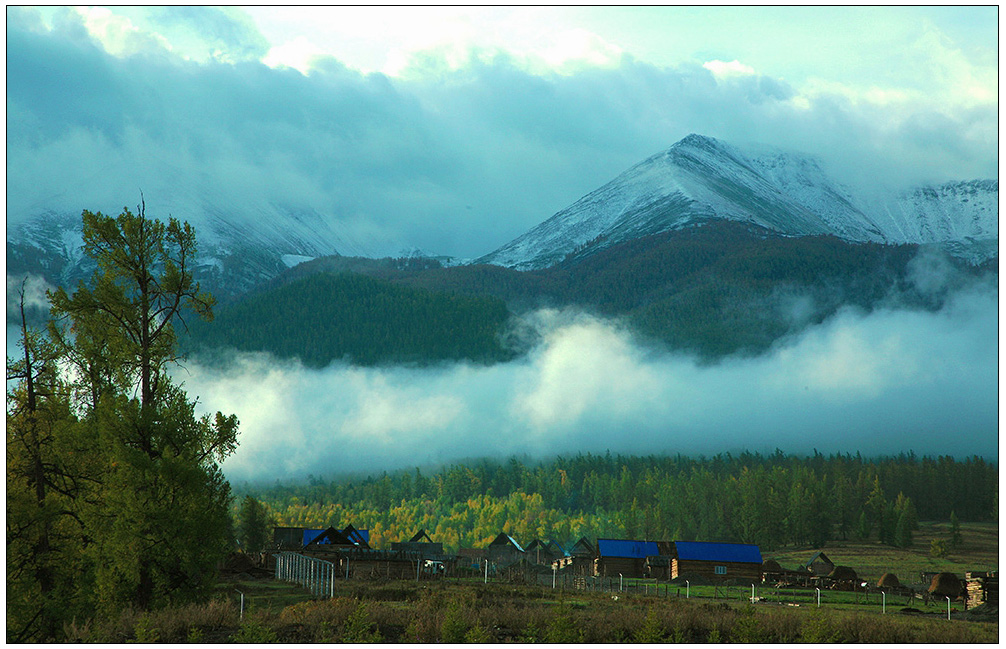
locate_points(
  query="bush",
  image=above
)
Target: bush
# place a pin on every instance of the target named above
(254, 631)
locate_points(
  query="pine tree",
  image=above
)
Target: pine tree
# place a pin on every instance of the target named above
(253, 527)
(158, 518)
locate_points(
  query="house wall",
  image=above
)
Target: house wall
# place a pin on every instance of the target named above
(707, 569)
(614, 566)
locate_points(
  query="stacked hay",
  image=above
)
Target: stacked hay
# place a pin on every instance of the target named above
(945, 584)
(889, 580)
(843, 573)
(771, 566)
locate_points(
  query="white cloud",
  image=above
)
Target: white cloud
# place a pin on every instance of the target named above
(734, 68)
(885, 382)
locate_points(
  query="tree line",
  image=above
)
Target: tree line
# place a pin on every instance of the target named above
(115, 498)
(770, 500)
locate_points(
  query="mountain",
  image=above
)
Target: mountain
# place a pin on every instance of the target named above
(239, 248)
(700, 179)
(714, 289)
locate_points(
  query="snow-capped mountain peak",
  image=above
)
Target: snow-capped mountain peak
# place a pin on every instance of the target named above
(700, 178)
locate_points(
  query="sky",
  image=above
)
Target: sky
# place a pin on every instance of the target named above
(456, 129)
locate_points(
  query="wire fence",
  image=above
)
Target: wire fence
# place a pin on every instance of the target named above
(316, 575)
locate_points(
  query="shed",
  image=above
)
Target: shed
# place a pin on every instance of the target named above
(717, 561)
(820, 565)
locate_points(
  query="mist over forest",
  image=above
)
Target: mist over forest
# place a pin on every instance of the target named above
(881, 382)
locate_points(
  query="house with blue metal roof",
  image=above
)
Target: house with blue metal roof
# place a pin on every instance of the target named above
(740, 562)
(623, 557)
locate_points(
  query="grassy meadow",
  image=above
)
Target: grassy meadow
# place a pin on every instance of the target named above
(449, 610)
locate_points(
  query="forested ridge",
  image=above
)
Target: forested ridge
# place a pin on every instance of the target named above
(773, 500)
(715, 289)
(326, 317)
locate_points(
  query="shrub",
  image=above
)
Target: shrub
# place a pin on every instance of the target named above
(359, 628)
(650, 631)
(254, 631)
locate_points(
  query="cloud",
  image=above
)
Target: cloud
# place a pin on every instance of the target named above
(883, 382)
(472, 148)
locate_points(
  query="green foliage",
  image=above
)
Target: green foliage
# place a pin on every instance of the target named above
(466, 505)
(819, 628)
(359, 628)
(650, 631)
(478, 634)
(454, 625)
(562, 627)
(747, 628)
(145, 631)
(194, 635)
(955, 530)
(253, 525)
(939, 548)
(115, 496)
(254, 631)
(326, 317)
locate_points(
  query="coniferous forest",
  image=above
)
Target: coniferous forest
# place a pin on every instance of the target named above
(773, 501)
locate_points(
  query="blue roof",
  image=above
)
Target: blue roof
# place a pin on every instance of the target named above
(702, 551)
(627, 549)
(310, 535)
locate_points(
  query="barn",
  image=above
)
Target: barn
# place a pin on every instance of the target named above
(623, 557)
(716, 561)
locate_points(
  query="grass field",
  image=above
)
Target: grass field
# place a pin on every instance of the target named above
(448, 610)
(978, 551)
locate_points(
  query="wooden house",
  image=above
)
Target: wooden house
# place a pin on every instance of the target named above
(819, 565)
(542, 553)
(504, 550)
(623, 557)
(717, 561)
(579, 559)
(420, 544)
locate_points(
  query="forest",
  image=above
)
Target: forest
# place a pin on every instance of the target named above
(717, 290)
(770, 500)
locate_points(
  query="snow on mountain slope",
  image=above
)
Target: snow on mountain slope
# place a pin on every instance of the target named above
(703, 178)
(238, 246)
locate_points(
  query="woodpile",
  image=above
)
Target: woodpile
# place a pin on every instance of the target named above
(982, 588)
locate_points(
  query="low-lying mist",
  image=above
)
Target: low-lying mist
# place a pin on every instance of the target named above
(883, 382)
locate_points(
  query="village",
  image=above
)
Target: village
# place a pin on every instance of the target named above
(317, 557)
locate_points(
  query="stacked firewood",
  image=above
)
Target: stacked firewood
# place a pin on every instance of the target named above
(983, 588)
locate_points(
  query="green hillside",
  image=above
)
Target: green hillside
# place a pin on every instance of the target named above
(364, 320)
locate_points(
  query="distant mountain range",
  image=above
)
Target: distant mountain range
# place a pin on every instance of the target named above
(698, 179)
(702, 179)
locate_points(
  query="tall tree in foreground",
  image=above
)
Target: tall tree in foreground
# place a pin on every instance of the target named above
(44, 537)
(158, 519)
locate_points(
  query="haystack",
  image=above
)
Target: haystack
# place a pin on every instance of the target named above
(889, 580)
(771, 566)
(843, 573)
(945, 584)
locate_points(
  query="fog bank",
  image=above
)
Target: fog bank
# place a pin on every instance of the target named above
(884, 382)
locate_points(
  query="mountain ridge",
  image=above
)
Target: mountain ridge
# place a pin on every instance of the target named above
(703, 178)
